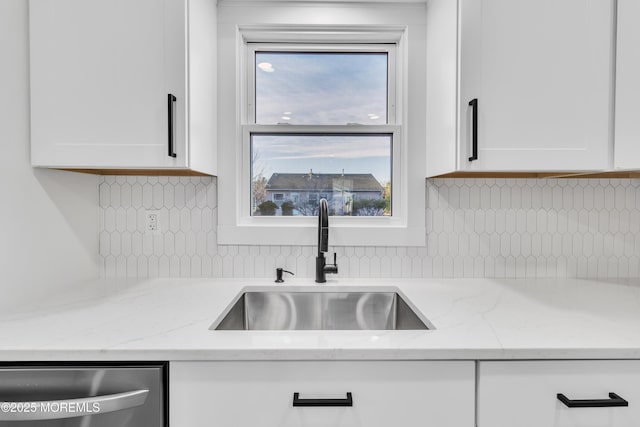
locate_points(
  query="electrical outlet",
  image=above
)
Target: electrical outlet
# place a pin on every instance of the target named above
(153, 222)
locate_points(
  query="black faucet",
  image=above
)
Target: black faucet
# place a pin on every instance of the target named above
(322, 268)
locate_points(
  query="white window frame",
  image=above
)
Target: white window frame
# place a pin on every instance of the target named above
(406, 225)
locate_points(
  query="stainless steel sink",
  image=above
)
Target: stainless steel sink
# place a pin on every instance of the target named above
(320, 310)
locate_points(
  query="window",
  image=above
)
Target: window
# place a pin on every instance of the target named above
(321, 123)
(305, 86)
(280, 134)
(341, 167)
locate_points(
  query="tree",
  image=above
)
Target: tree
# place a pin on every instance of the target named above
(369, 207)
(267, 208)
(259, 184)
(287, 208)
(386, 196)
(310, 208)
(259, 189)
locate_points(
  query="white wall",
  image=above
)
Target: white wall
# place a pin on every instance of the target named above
(49, 219)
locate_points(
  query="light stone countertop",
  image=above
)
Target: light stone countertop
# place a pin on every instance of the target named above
(475, 319)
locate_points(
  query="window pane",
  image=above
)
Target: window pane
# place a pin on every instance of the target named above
(321, 88)
(291, 173)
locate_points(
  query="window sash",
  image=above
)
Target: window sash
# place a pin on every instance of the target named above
(374, 130)
(335, 165)
(388, 48)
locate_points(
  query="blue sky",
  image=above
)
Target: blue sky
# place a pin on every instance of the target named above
(325, 89)
(321, 88)
(323, 154)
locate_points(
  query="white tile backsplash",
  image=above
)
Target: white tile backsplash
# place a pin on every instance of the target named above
(475, 228)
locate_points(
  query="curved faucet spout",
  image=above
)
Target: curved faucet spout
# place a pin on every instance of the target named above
(323, 226)
(322, 268)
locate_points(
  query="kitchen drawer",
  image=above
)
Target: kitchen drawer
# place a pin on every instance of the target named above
(248, 394)
(524, 394)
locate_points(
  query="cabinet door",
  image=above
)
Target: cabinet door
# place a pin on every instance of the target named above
(541, 72)
(524, 394)
(627, 143)
(101, 72)
(248, 394)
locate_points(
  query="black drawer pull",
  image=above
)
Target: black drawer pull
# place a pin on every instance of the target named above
(171, 100)
(347, 401)
(613, 400)
(474, 130)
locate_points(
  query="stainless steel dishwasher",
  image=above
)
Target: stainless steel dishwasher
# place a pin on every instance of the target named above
(84, 394)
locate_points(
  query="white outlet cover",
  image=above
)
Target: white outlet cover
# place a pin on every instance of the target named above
(152, 222)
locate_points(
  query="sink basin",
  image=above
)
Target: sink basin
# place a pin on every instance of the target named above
(320, 310)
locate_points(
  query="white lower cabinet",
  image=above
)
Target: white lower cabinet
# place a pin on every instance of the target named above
(383, 393)
(525, 394)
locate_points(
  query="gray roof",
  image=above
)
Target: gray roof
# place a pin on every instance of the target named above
(323, 182)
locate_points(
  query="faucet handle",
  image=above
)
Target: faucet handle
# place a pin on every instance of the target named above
(332, 268)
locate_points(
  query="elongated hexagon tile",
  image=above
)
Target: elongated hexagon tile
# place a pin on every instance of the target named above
(475, 228)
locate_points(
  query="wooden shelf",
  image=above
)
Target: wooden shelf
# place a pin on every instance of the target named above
(140, 172)
(559, 174)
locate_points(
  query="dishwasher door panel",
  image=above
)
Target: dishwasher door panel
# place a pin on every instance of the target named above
(83, 396)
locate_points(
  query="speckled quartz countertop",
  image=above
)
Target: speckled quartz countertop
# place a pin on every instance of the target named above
(169, 319)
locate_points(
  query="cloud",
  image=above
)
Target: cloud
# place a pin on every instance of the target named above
(267, 67)
(322, 88)
(292, 147)
(323, 154)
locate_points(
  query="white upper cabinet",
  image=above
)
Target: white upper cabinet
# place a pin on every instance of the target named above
(120, 84)
(530, 81)
(627, 145)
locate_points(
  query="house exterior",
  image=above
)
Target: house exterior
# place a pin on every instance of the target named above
(304, 191)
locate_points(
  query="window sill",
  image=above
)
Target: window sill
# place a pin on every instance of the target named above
(307, 235)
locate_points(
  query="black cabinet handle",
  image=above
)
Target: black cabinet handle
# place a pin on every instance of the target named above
(347, 401)
(171, 100)
(613, 400)
(474, 129)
